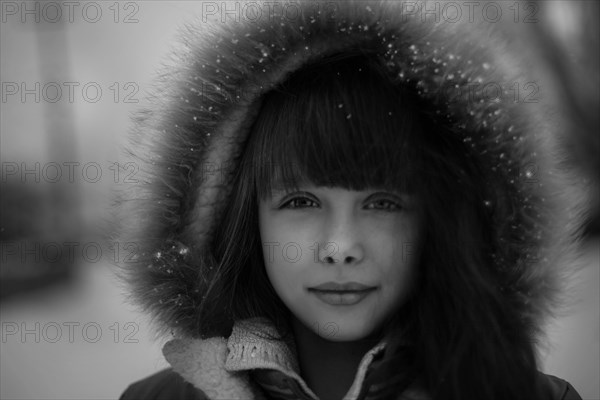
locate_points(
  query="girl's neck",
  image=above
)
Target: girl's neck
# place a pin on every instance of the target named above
(329, 367)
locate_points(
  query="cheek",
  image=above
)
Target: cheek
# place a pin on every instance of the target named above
(285, 254)
(286, 276)
(284, 249)
(394, 244)
(275, 228)
(396, 249)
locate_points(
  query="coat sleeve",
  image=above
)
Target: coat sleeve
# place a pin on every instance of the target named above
(558, 389)
(571, 393)
(163, 385)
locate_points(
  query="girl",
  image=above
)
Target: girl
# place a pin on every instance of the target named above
(331, 210)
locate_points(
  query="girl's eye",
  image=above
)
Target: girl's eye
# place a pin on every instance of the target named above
(299, 202)
(384, 205)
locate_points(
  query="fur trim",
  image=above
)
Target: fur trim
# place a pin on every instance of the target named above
(202, 363)
(187, 143)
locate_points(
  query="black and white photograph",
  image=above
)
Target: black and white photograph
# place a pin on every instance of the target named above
(300, 200)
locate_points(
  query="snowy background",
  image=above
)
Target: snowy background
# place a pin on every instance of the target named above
(77, 338)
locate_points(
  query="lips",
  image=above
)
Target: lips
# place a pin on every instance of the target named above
(341, 287)
(341, 294)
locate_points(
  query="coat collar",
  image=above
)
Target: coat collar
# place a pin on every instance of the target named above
(221, 367)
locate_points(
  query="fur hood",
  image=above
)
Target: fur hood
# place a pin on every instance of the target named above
(187, 142)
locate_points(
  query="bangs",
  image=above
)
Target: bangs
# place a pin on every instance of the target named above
(339, 123)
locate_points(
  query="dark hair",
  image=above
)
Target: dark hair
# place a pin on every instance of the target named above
(343, 121)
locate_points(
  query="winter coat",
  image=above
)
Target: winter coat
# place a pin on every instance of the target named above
(247, 366)
(187, 144)
(167, 384)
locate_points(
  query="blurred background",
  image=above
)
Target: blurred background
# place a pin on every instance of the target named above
(73, 72)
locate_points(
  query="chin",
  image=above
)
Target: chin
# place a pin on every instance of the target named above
(343, 331)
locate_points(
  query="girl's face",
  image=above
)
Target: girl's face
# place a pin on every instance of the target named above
(342, 261)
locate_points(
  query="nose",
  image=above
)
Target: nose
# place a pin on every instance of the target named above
(342, 241)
